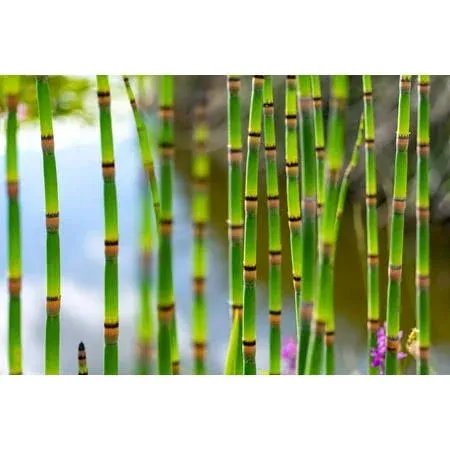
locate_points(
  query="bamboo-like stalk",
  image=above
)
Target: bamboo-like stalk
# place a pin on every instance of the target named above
(145, 321)
(293, 200)
(168, 357)
(273, 208)
(334, 157)
(423, 226)
(373, 288)
(308, 196)
(200, 219)
(250, 227)
(52, 329)
(111, 279)
(12, 88)
(234, 360)
(144, 145)
(397, 225)
(82, 361)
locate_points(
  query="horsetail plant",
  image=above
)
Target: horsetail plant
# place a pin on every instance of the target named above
(334, 157)
(423, 226)
(82, 361)
(144, 145)
(373, 296)
(145, 324)
(168, 358)
(308, 196)
(397, 225)
(234, 359)
(52, 329)
(293, 195)
(111, 278)
(200, 218)
(250, 227)
(273, 207)
(12, 88)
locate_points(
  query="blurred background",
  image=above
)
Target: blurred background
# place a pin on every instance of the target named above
(77, 144)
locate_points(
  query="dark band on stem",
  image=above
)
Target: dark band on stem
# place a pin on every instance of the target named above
(12, 188)
(249, 347)
(423, 148)
(320, 152)
(198, 285)
(370, 143)
(108, 170)
(373, 259)
(373, 325)
(165, 111)
(165, 226)
(275, 257)
(297, 282)
(399, 205)
(53, 305)
(423, 213)
(175, 367)
(199, 350)
(295, 222)
(402, 142)
(423, 281)
(47, 143)
(306, 310)
(371, 199)
(52, 221)
(275, 317)
(14, 285)
(395, 272)
(329, 337)
(273, 201)
(165, 312)
(104, 98)
(111, 248)
(319, 327)
(249, 272)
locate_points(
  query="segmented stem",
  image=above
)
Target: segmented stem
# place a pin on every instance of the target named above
(423, 225)
(250, 227)
(234, 360)
(12, 87)
(273, 208)
(200, 219)
(82, 362)
(397, 226)
(111, 288)
(52, 330)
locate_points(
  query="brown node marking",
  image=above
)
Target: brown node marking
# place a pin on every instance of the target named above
(423, 213)
(165, 112)
(393, 344)
(258, 80)
(144, 350)
(254, 138)
(175, 367)
(368, 95)
(111, 248)
(14, 285)
(199, 229)
(423, 281)
(47, 143)
(338, 103)
(371, 199)
(52, 221)
(327, 248)
(198, 285)
(373, 325)
(234, 84)
(275, 257)
(333, 175)
(12, 100)
(370, 143)
(317, 101)
(165, 226)
(373, 260)
(424, 353)
(306, 103)
(292, 168)
(395, 272)
(273, 201)
(306, 311)
(236, 310)
(167, 150)
(268, 108)
(319, 327)
(320, 152)
(291, 120)
(275, 317)
(249, 348)
(251, 202)
(309, 205)
(297, 282)
(236, 232)
(199, 350)
(53, 305)
(146, 257)
(201, 184)
(13, 189)
(295, 222)
(234, 155)
(329, 338)
(271, 151)
(405, 84)
(424, 87)
(250, 272)
(104, 98)
(165, 312)
(108, 170)
(399, 205)
(423, 148)
(402, 141)
(320, 209)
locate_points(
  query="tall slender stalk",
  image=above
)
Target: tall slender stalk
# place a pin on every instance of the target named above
(111, 280)
(423, 226)
(273, 207)
(200, 219)
(82, 362)
(293, 202)
(397, 226)
(52, 329)
(334, 158)
(234, 361)
(144, 145)
(309, 232)
(168, 357)
(12, 87)
(373, 288)
(250, 227)
(145, 323)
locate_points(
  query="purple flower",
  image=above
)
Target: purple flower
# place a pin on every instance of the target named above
(378, 353)
(289, 354)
